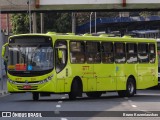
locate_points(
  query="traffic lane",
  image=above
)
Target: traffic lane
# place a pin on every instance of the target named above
(144, 100)
(147, 100)
(24, 102)
(108, 102)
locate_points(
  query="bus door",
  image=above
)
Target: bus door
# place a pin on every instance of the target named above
(61, 62)
(105, 69)
(77, 59)
(120, 60)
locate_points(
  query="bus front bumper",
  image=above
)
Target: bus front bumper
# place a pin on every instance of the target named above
(31, 87)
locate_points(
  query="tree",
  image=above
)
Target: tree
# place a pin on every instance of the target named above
(64, 23)
(20, 23)
(58, 22)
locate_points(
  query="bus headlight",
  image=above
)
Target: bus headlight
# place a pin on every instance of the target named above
(10, 81)
(49, 78)
(46, 80)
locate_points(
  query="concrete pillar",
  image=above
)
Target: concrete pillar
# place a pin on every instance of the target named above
(42, 22)
(34, 16)
(73, 23)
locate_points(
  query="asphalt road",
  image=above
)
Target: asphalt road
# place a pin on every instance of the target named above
(59, 107)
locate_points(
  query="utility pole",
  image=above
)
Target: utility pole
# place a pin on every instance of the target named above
(73, 23)
(34, 16)
(42, 22)
(30, 16)
(90, 22)
(95, 22)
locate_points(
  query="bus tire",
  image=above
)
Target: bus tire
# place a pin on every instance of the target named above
(35, 96)
(130, 89)
(76, 90)
(94, 94)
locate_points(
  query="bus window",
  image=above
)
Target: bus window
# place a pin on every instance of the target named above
(131, 53)
(107, 52)
(61, 55)
(143, 53)
(77, 52)
(152, 55)
(93, 54)
(120, 56)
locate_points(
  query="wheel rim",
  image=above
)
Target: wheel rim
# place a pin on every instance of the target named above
(131, 88)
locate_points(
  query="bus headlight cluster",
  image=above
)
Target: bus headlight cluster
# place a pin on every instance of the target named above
(12, 82)
(46, 80)
(36, 83)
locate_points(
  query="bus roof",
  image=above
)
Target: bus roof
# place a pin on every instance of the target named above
(86, 37)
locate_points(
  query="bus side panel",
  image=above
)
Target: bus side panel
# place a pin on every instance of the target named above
(81, 71)
(146, 76)
(121, 76)
(106, 76)
(131, 70)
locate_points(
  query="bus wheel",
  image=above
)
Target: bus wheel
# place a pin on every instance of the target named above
(76, 90)
(130, 89)
(94, 94)
(35, 96)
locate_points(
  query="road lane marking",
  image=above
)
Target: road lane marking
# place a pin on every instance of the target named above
(64, 119)
(58, 106)
(63, 98)
(60, 102)
(134, 106)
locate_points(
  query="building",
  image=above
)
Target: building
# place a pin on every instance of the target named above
(6, 25)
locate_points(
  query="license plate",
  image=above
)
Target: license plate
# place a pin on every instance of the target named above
(27, 87)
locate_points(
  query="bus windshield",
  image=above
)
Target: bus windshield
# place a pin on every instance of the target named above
(30, 58)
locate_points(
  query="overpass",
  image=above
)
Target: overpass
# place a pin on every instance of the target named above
(126, 24)
(8, 6)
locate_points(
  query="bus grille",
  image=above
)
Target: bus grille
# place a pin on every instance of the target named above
(32, 88)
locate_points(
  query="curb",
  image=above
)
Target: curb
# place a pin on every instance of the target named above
(3, 92)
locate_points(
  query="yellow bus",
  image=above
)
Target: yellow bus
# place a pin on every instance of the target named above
(53, 63)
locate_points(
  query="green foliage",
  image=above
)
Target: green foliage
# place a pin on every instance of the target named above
(20, 23)
(58, 22)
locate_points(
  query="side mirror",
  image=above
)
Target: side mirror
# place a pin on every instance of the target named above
(4, 50)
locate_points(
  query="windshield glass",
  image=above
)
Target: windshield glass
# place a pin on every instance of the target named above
(30, 58)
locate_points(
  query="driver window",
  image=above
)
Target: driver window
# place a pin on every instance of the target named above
(60, 55)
